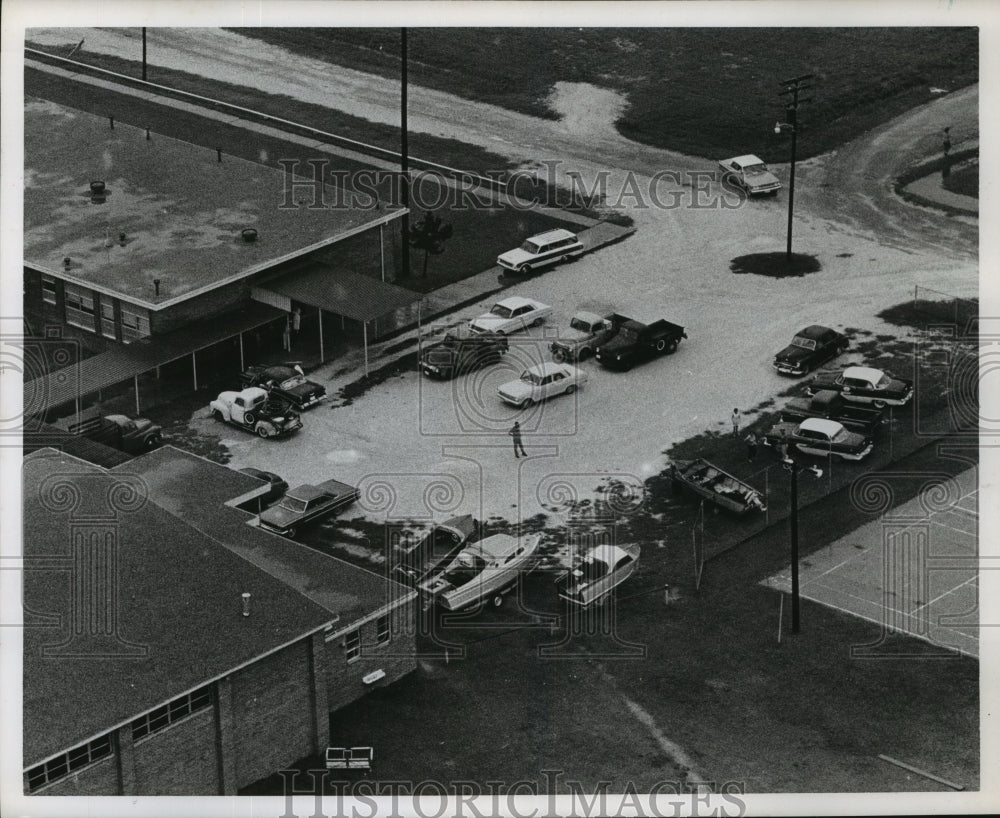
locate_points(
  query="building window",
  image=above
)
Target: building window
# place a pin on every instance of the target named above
(163, 717)
(49, 290)
(383, 629)
(135, 323)
(107, 319)
(79, 307)
(352, 645)
(75, 759)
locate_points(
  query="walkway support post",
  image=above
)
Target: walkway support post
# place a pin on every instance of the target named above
(365, 326)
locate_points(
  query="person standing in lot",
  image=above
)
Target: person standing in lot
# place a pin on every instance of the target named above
(736, 422)
(515, 432)
(751, 439)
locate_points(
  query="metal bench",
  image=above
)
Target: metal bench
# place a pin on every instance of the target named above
(349, 758)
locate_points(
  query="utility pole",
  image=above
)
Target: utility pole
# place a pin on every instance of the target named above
(143, 53)
(404, 159)
(792, 87)
(795, 467)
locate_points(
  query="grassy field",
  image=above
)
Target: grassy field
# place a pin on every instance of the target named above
(704, 92)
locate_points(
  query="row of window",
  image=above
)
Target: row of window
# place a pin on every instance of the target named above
(163, 717)
(79, 310)
(63, 765)
(352, 639)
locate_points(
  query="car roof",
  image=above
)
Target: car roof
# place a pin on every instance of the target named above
(548, 367)
(305, 492)
(814, 331)
(553, 235)
(280, 371)
(747, 159)
(252, 393)
(589, 317)
(517, 301)
(864, 373)
(827, 427)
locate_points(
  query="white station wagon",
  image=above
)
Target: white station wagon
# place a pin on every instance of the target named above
(510, 315)
(537, 383)
(538, 251)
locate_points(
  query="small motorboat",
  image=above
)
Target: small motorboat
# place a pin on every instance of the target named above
(602, 569)
(717, 486)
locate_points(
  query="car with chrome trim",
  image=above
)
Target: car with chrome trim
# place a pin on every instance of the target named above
(864, 384)
(821, 437)
(287, 381)
(461, 351)
(811, 346)
(306, 504)
(586, 331)
(751, 173)
(541, 250)
(256, 410)
(541, 382)
(511, 315)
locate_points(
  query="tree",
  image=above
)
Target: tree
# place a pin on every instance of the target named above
(429, 235)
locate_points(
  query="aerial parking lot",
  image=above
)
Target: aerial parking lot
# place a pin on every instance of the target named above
(680, 667)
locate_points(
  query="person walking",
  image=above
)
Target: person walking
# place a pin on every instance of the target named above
(751, 440)
(736, 422)
(515, 432)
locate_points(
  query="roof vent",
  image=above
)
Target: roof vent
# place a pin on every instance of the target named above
(156, 286)
(246, 603)
(97, 187)
(249, 235)
(67, 262)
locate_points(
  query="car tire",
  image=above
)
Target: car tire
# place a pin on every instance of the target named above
(291, 532)
(570, 389)
(249, 418)
(152, 442)
(497, 600)
(671, 347)
(524, 269)
(525, 403)
(584, 354)
(878, 404)
(661, 345)
(559, 357)
(217, 415)
(537, 322)
(262, 431)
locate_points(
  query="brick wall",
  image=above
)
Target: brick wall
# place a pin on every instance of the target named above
(396, 658)
(180, 760)
(203, 306)
(274, 721)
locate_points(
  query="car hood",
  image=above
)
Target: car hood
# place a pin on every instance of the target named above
(516, 389)
(615, 344)
(761, 179)
(304, 390)
(572, 335)
(438, 354)
(793, 354)
(489, 322)
(279, 517)
(515, 257)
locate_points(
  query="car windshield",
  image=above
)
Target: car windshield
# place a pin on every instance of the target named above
(883, 382)
(292, 382)
(293, 504)
(628, 335)
(501, 311)
(760, 168)
(580, 324)
(839, 435)
(530, 247)
(531, 377)
(450, 342)
(802, 342)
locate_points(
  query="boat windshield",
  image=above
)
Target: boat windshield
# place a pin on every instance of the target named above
(467, 567)
(593, 570)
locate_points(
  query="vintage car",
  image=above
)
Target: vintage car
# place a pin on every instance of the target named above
(256, 411)
(418, 555)
(510, 315)
(715, 485)
(810, 347)
(481, 571)
(276, 487)
(831, 405)
(586, 331)
(821, 437)
(863, 384)
(751, 174)
(540, 382)
(541, 250)
(602, 569)
(306, 504)
(461, 351)
(287, 382)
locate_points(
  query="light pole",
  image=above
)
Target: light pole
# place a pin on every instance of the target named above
(793, 524)
(792, 87)
(404, 177)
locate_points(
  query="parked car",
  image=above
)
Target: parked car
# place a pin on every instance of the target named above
(821, 437)
(541, 250)
(306, 504)
(863, 384)
(633, 342)
(461, 351)
(750, 173)
(256, 411)
(481, 571)
(810, 347)
(715, 485)
(417, 558)
(831, 405)
(540, 382)
(287, 382)
(510, 315)
(602, 569)
(586, 331)
(276, 487)
(130, 435)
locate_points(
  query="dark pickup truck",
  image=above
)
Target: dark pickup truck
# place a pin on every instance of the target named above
(631, 342)
(831, 405)
(461, 351)
(131, 435)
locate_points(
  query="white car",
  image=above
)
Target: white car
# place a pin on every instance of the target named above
(538, 251)
(540, 382)
(751, 174)
(510, 315)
